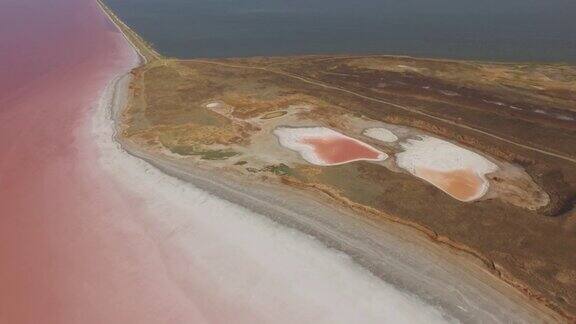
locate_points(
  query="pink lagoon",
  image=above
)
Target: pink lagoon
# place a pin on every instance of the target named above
(70, 251)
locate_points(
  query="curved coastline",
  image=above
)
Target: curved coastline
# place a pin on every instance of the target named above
(295, 210)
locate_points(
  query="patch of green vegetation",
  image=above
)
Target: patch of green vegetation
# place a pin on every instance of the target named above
(274, 114)
(278, 169)
(352, 182)
(217, 154)
(204, 154)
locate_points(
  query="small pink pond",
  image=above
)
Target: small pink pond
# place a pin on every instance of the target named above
(323, 146)
(337, 150)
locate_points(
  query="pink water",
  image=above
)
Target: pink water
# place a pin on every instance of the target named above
(337, 150)
(463, 184)
(70, 251)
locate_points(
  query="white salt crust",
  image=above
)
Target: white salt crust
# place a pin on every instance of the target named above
(381, 134)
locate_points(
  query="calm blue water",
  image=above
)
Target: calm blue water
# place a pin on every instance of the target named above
(515, 30)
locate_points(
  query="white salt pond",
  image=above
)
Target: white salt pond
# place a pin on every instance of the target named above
(324, 146)
(380, 134)
(455, 170)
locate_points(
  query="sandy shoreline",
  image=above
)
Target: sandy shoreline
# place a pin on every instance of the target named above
(395, 253)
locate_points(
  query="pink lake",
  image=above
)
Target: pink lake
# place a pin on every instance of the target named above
(70, 249)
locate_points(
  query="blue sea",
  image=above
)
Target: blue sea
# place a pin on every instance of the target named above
(497, 30)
